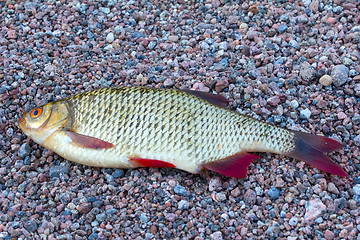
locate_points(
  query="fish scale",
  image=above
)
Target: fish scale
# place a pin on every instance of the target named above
(129, 127)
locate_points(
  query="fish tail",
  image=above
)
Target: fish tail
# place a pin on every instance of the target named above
(311, 148)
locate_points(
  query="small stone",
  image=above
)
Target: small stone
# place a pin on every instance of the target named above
(250, 196)
(293, 221)
(100, 217)
(168, 83)
(31, 226)
(326, 80)
(314, 208)
(105, 10)
(24, 150)
(216, 236)
(307, 72)
(357, 140)
(329, 235)
(215, 183)
(84, 208)
(183, 205)
(110, 37)
(170, 216)
(143, 218)
(340, 75)
(118, 173)
(332, 188)
(282, 28)
(178, 189)
(305, 114)
(151, 45)
(343, 233)
(273, 101)
(55, 171)
(274, 193)
(11, 34)
(220, 66)
(341, 115)
(221, 85)
(173, 38)
(356, 189)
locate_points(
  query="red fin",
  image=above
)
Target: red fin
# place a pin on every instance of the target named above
(143, 162)
(321, 143)
(233, 166)
(310, 148)
(211, 98)
(88, 142)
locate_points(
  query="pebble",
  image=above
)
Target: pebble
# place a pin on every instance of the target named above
(356, 189)
(170, 216)
(180, 190)
(329, 235)
(215, 183)
(183, 205)
(110, 37)
(305, 114)
(274, 193)
(307, 72)
(24, 150)
(220, 66)
(340, 75)
(55, 171)
(216, 236)
(326, 80)
(314, 208)
(293, 221)
(332, 188)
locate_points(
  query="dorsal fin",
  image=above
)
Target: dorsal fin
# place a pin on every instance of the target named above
(210, 97)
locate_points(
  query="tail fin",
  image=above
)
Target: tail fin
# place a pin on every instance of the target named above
(311, 148)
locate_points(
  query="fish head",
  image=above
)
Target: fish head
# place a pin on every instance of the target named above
(41, 122)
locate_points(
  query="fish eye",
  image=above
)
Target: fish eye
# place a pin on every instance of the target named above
(36, 112)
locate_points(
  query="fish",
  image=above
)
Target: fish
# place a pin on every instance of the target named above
(131, 127)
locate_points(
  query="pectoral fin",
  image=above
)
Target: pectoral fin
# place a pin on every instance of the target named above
(233, 166)
(84, 141)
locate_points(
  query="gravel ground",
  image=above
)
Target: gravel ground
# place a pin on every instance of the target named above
(291, 63)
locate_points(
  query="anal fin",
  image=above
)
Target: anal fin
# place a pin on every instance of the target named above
(233, 166)
(84, 141)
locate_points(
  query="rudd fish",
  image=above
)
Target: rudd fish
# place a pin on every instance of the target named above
(130, 127)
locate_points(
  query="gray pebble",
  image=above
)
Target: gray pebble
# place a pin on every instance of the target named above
(357, 140)
(307, 72)
(143, 218)
(220, 66)
(293, 221)
(55, 171)
(180, 190)
(118, 173)
(105, 10)
(305, 114)
(152, 45)
(274, 193)
(100, 217)
(110, 37)
(31, 226)
(183, 205)
(339, 75)
(356, 189)
(24, 150)
(282, 28)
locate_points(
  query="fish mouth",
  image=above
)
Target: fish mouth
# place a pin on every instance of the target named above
(22, 123)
